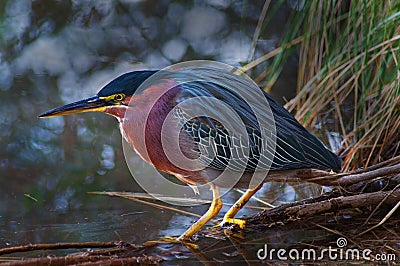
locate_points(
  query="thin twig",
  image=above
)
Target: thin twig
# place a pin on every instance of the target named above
(258, 28)
(159, 206)
(269, 55)
(387, 216)
(379, 205)
(257, 199)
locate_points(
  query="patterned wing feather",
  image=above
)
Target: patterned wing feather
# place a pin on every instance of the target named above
(219, 147)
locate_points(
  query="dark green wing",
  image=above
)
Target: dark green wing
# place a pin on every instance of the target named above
(220, 148)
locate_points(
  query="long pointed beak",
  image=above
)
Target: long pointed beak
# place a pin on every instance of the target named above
(92, 104)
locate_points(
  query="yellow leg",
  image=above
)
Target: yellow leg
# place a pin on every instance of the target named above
(230, 214)
(214, 209)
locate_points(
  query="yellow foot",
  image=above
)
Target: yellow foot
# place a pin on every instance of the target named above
(173, 240)
(239, 222)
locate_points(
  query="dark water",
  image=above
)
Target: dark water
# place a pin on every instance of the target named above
(55, 52)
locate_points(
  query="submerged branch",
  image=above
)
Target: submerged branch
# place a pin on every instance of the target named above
(74, 245)
(32, 247)
(106, 253)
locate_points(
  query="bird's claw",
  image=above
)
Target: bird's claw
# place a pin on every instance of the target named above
(172, 240)
(227, 221)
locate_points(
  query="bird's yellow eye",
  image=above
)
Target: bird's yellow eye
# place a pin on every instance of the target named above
(119, 97)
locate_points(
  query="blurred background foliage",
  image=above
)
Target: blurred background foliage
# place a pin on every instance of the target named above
(348, 75)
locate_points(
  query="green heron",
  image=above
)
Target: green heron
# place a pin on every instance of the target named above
(141, 115)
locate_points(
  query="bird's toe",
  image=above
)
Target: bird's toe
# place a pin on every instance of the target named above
(232, 221)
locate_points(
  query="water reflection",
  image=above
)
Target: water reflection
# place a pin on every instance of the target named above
(55, 52)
